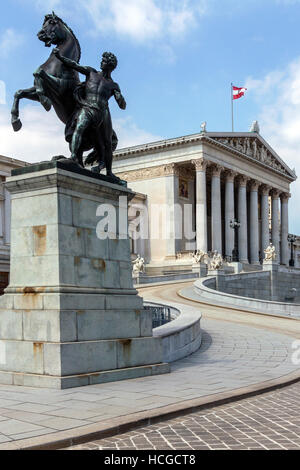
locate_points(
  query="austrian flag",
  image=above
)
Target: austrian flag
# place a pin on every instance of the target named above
(238, 92)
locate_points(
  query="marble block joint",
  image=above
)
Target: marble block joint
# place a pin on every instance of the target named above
(70, 315)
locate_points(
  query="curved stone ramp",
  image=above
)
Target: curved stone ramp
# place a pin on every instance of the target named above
(235, 360)
(210, 295)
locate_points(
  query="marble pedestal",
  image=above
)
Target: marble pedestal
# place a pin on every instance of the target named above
(273, 267)
(70, 315)
(270, 265)
(200, 268)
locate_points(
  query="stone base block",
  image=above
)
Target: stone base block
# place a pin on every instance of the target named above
(72, 381)
(70, 315)
(200, 268)
(270, 265)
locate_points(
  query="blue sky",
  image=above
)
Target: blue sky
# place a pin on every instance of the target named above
(177, 59)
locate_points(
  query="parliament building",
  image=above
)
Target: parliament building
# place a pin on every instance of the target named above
(238, 189)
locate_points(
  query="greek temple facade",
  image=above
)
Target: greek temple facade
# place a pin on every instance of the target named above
(236, 186)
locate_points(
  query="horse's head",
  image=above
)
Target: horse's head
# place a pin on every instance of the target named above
(53, 30)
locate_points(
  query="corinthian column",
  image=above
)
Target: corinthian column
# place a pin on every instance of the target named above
(243, 231)
(265, 226)
(216, 209)
(229, 213)
(275, 222)
(285, 228)
(201, 204)
(254, 235)
(171, 173)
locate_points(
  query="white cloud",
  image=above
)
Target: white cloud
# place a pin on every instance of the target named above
(2, 92)
(278, 96)
(142, 20)
(9, 40)
(42, 135)
(130, 134)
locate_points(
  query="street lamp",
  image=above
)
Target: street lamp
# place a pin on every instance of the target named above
(292, 239)
(235, 225)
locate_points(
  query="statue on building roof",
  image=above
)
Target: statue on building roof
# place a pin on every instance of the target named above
(255, 127)
(203, 127)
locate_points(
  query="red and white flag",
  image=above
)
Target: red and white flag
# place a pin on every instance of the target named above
(238, 92)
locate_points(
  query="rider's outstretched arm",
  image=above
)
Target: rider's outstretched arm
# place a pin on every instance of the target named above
(72, 64)
(119, 97)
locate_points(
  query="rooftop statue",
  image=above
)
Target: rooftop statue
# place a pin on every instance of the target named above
(255, 127)
(82, 107)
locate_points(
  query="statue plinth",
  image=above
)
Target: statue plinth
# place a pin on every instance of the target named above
(70, 315)
(200, 268)
(270, 264)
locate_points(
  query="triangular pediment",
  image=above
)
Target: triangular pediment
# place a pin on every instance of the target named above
(256, 148)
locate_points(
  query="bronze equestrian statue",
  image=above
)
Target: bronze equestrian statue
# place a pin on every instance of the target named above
(57, 84)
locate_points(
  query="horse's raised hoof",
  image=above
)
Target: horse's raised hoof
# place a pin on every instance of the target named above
(17, 124)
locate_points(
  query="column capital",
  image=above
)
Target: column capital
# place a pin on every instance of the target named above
(243, 180)
(230, 175)
(254, 185)
(265, 189)
(171, 169)
(285, 197)
(200, 164)
(216, 170)
(275, 193)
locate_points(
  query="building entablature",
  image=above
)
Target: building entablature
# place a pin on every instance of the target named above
(188, 170)
(250, 148)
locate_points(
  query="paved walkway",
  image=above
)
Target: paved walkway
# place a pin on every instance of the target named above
(232, 357)
(270, 421)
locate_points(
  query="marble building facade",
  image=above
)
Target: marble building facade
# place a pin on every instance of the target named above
(224, 177)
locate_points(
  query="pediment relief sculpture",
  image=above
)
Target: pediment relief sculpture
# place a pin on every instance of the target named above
(253, 148)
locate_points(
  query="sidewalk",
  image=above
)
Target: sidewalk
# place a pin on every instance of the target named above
(233, 360)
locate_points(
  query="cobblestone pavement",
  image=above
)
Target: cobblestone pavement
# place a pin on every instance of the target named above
(270, 421)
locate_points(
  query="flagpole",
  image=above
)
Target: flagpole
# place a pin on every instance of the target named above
(232, 118)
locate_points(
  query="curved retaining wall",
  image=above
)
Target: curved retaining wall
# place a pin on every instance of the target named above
(205, 288)
(182, 336)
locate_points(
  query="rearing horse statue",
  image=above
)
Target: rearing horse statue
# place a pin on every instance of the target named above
(57, 85)
(54, 83)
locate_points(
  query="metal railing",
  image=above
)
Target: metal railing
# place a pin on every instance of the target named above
(161, 314)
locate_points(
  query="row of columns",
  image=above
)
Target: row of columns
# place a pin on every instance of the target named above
(216, 215)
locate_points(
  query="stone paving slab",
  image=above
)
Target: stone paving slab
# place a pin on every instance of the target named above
(232, 357)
